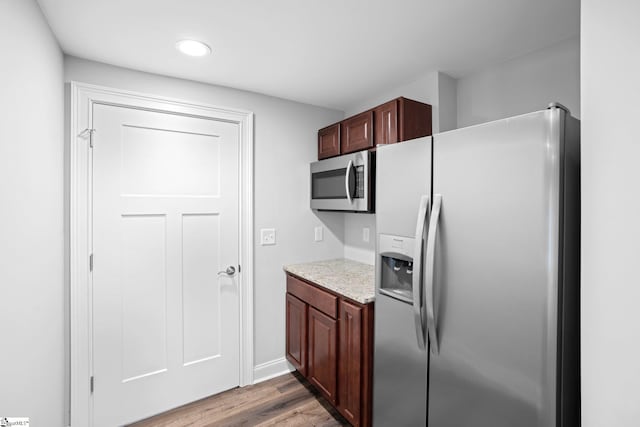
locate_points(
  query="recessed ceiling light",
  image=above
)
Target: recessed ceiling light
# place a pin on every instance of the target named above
(193, 48)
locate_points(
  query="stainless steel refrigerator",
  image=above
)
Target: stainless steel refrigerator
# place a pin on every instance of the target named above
(477, 276)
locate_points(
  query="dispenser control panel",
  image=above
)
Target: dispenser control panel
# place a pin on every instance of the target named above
(399, 245)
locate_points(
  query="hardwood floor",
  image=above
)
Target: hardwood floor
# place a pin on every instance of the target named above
(287, 400)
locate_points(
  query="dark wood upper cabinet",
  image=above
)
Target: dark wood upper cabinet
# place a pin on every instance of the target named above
(322, 364)
(297, 333)
(414, 119)
(401, 119)
(385, 117)
(357, 133)
(329, 141)
(398, 120)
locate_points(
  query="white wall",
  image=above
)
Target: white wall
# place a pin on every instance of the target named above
(355, 247)
(521, 85)
(32, 336)
(285, 142)
(447, 102)
(610, 213)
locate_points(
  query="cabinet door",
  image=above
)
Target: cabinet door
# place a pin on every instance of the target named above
(350, 362)
(297, 333)
(357, 133)
(385, 118)
(322, 363)
(329, 141)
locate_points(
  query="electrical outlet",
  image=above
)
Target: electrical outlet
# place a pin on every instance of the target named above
(365, 234)
(267, 236)
(318, 234)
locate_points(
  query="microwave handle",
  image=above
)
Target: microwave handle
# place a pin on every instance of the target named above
(347, 175)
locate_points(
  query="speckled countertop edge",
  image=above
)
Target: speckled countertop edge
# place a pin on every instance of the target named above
(352, 279)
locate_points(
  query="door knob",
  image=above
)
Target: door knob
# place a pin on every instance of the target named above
(230, 271)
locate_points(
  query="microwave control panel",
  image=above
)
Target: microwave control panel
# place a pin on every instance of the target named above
(359, 182)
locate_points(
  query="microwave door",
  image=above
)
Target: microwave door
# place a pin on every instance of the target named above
(329, 185)
(339, 184)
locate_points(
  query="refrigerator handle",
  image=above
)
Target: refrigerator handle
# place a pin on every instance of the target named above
(430, 268)
(347, 176)
(417, 271)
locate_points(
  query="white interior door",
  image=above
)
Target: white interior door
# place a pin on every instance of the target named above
(165, 222)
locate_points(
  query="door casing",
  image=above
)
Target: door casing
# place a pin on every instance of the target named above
(82, 98)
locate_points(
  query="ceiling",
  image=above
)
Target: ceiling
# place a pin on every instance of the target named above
(332, 53)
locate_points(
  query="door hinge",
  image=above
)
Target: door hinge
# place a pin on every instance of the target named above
(90, 132)
(91, 384)
(91, 262)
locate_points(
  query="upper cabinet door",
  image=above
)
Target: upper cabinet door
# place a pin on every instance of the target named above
(386, 123)
(329, 141)
(357, 133)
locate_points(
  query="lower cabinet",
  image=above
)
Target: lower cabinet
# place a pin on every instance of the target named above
(297, 333)
(330, 341)
(322, 367)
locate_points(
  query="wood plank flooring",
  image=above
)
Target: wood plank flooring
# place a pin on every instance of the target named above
(288, 400)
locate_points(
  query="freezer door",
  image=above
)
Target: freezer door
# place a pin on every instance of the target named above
(403, 176)
(496, 273)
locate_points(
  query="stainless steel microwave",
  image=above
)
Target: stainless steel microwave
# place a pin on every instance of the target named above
(344, 183)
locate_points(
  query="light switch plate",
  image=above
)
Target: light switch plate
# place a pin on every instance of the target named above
(267, 236)
(365, 234)
(318, 234)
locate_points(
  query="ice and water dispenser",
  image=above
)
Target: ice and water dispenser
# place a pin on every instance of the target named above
(395, 266)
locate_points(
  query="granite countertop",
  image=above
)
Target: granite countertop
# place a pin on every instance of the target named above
(351, 279)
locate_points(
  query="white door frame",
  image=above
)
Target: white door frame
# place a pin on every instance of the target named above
(82, 98)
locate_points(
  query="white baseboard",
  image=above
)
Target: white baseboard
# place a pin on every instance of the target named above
(273, 368)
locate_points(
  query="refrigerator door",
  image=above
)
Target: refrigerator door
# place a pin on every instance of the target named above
(495, 282)
(400, 379)
(403, 176)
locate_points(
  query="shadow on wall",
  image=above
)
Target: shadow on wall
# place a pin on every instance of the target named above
(333, 222)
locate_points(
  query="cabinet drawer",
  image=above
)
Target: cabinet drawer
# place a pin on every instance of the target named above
(313, 296)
